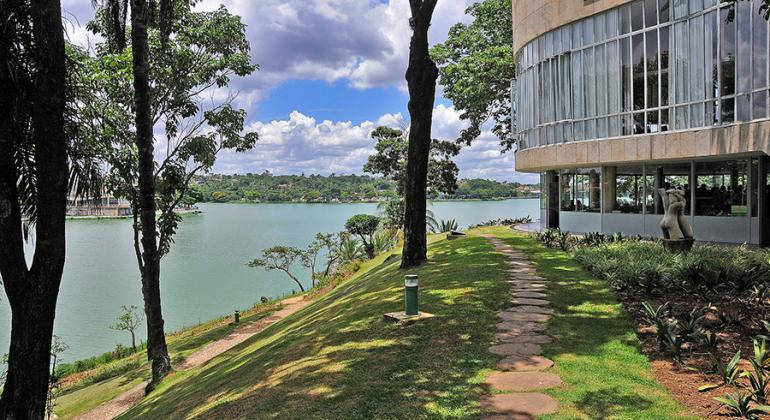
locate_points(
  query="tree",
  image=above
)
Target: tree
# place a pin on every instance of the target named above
(280, 258)
(390, 159)
(476, 67)
(206, 50)
(33, 193)
(330, 242)
(309, 256)
(58, 347)
(364, 226)
(129, 320)
(421, 76)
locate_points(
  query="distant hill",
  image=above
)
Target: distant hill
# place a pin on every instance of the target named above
(266, 187)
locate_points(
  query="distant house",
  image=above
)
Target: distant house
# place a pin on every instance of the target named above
(107, 206)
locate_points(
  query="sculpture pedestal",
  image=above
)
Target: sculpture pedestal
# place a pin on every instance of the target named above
(678, 245)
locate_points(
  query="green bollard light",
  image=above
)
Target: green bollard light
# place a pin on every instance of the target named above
(237, 316)
(411, 284)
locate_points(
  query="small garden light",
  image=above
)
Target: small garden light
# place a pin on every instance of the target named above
(411, 286)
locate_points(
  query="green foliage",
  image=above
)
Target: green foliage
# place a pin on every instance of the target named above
(476, 67)
(502, 222)
(758, 378)
(364, 226)
(384, 240)
(739, 405)
(728, 372)
(3, 369)
(280, 258)
(692, 329)
(129, 320)
(391, 155)
(442, 226)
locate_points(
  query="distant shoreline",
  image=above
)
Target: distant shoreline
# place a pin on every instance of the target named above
(368, 201)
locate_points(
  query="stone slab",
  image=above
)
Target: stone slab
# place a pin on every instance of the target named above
(531, 309)
(524, 316)
(522, 381)
(519, 406)
(517, 349)
(403, 317)
(523, 339)
(520, 326)
(530, 295)
(534, 302)
(524, 363)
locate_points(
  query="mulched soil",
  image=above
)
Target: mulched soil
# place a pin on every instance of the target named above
(736, 323)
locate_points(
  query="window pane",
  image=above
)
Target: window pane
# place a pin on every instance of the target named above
(677, 176)
(601, 80)
(639, 123)
(728, 56)
(613, 77)
(710, 57)
(743, 61)
(697, 78)
(599, 28)
(681, 64)
(759, 52)
(664, 122)
(664, 11)
(589, 82)
(566, 181)
(577, 84)
(696, 6)
(650, 13)
(680, 8)
(721, 189)
(638, 63)
(625, 19)
(727, 106)
(742, 108)
(653, 125)
(652, 68)
(697, 115)
(665, 74)
(577, 34)
(637, 15)
(626, 72)
(629, 190)
(612, 23)
(588, 190)
(759, 104)
(588, 31)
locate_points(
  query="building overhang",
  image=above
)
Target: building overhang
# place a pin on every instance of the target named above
(713, 142)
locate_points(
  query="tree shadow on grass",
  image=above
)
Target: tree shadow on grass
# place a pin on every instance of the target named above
(609, 402)
(338, 358)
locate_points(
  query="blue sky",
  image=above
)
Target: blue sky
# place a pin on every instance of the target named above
(330, 72)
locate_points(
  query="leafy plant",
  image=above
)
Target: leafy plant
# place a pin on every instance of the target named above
(739, 405)
(442, 226)
(691, 330)
(383, 241)
(710, 341)
(658, 317)
(758, 381)
(672, 340)
(728, 372)
(364, 226)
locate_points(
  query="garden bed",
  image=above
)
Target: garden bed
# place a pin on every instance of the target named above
(712, 291)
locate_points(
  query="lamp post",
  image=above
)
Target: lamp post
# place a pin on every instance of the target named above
(411, 286)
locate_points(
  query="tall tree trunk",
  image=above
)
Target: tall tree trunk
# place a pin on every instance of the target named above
(157, 352)
(421, 78)
(32, 292)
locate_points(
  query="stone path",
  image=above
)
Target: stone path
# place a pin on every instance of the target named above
(520, 335)
(123, 402)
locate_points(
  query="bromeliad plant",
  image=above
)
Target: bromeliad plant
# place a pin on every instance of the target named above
(728, 372)
(739, 405)
(659, 317)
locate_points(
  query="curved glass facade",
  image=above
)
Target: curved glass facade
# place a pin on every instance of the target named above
(645, 67)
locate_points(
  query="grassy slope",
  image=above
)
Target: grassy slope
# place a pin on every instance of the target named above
(595, 348)
(338, 358)
(80, 399)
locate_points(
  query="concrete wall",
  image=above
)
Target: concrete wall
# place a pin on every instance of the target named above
(736, 139)
(578, 222)
(532, 18)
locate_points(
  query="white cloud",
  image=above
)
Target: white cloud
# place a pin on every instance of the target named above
(303, 144)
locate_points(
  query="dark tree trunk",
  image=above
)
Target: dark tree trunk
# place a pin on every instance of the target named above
(157, 352)
(421, 78)
(32, 292)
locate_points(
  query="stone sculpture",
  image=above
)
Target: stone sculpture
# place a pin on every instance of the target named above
(677, 233)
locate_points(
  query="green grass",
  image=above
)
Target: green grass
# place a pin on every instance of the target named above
(338, 358)
(595, 349)
(132, 370)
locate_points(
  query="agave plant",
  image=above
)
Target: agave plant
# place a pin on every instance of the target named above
(691, 331)
(442, 226)
(739, 405)
(350, 249)
(657, 317)
(758, 381)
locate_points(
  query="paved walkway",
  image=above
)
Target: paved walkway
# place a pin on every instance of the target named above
(128, 399)
(521, 333)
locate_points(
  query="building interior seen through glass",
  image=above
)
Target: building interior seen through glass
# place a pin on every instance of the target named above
(645, 67)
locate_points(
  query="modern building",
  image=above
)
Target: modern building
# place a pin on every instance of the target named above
(106, 206)
(616, 98)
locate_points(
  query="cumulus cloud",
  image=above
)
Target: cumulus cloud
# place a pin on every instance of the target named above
(301, 144)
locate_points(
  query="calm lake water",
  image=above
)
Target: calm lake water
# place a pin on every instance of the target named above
(205, 275)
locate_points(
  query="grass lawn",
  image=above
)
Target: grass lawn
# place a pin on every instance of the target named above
(595, 349)
(338, 358)
(81, 398)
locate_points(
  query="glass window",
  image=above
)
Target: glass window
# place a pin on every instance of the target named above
(727, 108)
(601, 80)
(637, 15)
(754, 168)
(653, 125)
(743, 47)
(759, 105)
(589, 83)
(665, 74)
(664, 11)
(577, 84)
(629, 190)
(625, 19)
(721, 189)
(743, 108)
(711, 59)
(680, 8)
(588, 190)
(626, 73)
(567, 184)
(681, 64)
(696, 6)
(728, 56)
(543, 191)
(652, 68)
(650, 13)
(675, 176)
(664, 123)
(697, 76)
(588, 31)
(577, 35)
(599, 28)
(638, 63)
(613, 77)
(759, 53)
(612, 23)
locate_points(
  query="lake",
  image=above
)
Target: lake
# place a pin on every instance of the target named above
(205, 275)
